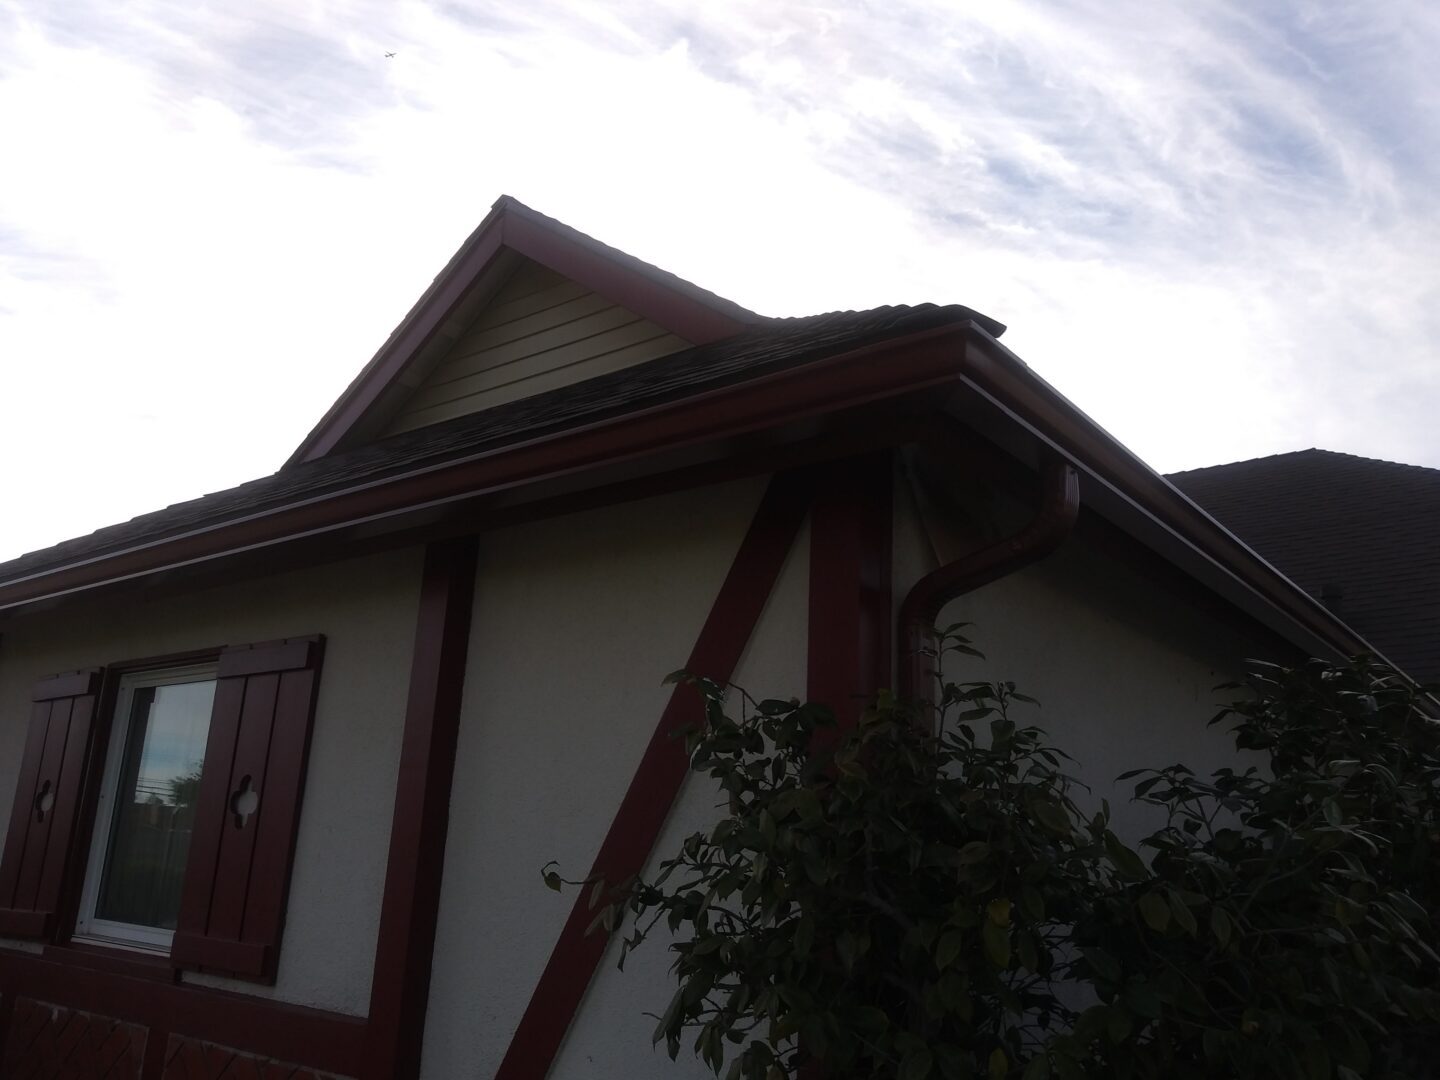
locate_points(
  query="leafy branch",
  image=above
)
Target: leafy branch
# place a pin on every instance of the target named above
(921, 897)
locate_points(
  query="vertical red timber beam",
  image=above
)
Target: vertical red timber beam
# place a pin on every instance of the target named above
(849, 648)
(850, 602)
(411, 903)
(658, 779)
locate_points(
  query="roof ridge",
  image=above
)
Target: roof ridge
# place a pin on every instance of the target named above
(1297, 453)
(508, 203)
(991, 326)
(657, 273)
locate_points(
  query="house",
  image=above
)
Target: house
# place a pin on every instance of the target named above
(280, 766)
(1357, 534)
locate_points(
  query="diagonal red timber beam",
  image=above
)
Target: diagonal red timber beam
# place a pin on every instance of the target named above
(661, 773)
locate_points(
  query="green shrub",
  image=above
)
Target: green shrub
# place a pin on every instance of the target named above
(917, 899)
(1289, 929)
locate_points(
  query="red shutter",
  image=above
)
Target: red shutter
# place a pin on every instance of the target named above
(42, 821)
(232, 908)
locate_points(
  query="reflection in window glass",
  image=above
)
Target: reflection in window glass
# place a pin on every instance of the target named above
(155, 803)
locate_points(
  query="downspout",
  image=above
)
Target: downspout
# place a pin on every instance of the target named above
(1046, 531)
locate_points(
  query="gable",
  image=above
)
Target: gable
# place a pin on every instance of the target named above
(539, 331)
(513, 235)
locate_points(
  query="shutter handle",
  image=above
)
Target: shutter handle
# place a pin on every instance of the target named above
(44, 800)
(244, 801)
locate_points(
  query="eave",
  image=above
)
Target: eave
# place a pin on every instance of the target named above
(1010, 404)
(701, 427)
(959, 371)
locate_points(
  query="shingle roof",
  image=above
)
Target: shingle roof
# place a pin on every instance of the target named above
(773, 345)
(1360, 534)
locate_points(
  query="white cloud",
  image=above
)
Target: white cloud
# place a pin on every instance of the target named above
(1214, 231)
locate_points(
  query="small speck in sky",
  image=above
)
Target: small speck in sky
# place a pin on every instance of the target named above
(1212, 226)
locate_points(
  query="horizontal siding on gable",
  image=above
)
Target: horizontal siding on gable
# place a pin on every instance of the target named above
(541, 331)
(538, 383)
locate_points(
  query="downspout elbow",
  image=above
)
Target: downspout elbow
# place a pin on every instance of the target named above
(1053, 521)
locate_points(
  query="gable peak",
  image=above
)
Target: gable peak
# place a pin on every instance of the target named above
(513, 234)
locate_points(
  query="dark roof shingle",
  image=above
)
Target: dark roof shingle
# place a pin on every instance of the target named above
(1360, 534)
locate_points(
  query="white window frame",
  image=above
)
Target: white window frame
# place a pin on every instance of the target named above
(88, 927)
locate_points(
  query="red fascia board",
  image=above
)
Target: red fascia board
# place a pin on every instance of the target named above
(888, 369)
(683, 315)
(413, 333)
(998, 375)
(959, 355)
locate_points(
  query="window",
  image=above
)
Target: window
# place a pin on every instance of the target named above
(196, 800)
(145, 813)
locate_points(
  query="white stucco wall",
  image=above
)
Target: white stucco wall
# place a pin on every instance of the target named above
(577, 621)
(366, 609)
(611, 1036)
(1124, 666)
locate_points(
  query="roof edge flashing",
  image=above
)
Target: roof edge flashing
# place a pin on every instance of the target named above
(1008, 384)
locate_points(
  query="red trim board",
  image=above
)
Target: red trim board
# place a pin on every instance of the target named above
(848, 656)
(848, 643)
(319, 1039)
(400, 986)
(658, 779)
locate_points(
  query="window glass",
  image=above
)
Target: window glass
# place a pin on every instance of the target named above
(155, 804)
(147, 808)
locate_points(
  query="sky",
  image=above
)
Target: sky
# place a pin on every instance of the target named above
(1214, 226)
